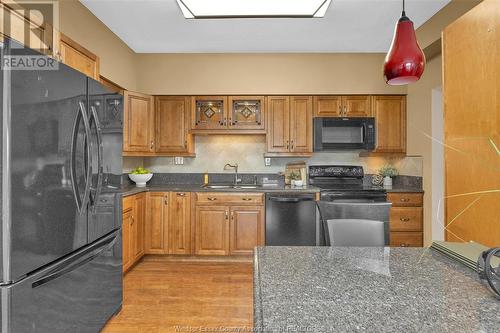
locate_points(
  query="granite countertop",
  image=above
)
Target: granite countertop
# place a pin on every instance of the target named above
(342, 289)
(402, 189)
(130, 190)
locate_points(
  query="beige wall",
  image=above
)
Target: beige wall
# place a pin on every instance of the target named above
(419, 105)
(262, 74)
(117, 60)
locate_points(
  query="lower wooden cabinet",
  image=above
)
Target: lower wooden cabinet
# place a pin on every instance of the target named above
(168, 228)
(156, 236)
(212, 230)
(246, 229)
(406, 219)
(134, 215)
(179, 229)
(228, 224)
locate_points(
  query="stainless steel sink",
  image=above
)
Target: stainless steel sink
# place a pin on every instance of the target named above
(244, 187)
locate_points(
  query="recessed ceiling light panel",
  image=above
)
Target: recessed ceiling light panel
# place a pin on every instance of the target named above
(210, 9)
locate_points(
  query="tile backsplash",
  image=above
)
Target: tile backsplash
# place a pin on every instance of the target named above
(214, 151)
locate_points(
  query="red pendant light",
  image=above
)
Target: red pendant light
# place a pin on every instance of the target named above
(405, 60)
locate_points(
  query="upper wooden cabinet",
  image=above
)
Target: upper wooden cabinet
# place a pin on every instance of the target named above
(342, 106)
(172, 125)
(209, 112)
(289, 125)
(246, 112)
(138, 123)
(228, 114)
(390, 123)
(76, 56)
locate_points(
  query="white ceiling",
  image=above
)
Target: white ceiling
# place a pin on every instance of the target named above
(158, 26)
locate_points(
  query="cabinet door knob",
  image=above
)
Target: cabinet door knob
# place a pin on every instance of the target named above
(166, 200)
(181, 194)
(227, 214)
(404, 245)
(151, 145)
(232, 216)
(293, 146)
(287, 145)
(404, 219)
(211, 199)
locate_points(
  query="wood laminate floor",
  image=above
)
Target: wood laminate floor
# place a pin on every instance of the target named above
(163, 295)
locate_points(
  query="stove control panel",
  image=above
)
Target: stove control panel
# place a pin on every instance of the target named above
(336, 171)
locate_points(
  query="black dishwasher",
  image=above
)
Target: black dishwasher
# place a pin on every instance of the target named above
(291, 219)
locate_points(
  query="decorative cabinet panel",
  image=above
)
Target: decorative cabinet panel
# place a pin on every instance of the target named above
(390, 123)
(127, 219)
(342, 106)
(246, 112)
(138, 124)
(209, 112)
(246, 229)
(212, 230)
(289, 126)
(172, 120)
(133, 219)
(179, 228)
(156, 235)
(138, 227)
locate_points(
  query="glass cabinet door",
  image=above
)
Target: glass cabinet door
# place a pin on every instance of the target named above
(210, 112)
(246, 112)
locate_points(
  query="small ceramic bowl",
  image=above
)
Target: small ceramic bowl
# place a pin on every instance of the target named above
(140, 179)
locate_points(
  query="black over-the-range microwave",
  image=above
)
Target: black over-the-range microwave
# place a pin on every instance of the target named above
(344, 133)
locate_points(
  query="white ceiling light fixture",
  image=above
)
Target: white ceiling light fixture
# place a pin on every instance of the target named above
(218, 9)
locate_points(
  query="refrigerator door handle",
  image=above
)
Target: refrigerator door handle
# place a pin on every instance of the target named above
(94, 115)
(81, 202)
(83, 258)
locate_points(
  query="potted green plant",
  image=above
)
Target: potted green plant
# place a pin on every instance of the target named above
(388, 171)
(140, 176)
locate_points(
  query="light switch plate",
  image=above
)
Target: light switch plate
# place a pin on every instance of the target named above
(178, 160)
(267, 161)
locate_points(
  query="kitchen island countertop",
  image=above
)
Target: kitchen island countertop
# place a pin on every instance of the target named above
(342, 289)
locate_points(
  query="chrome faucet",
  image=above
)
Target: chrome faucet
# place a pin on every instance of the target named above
(235, 167)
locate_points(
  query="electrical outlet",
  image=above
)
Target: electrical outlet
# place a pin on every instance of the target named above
(267, 161)
(178, 160)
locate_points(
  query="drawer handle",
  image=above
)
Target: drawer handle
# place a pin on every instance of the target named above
(405, 199)
(181, 194)
(404, 219)
(404, 245)
(246, 199)
(211, 199)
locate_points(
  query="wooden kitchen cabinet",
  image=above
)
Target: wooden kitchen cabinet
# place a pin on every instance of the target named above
(127, 219)
(228, 224)
(247, 113)
(76, 56)
(212, 230)
(246, 229)
(209, 112)
(406, 219)
(390, 124)
(179, 228)
(289, 131)
(138, 124)
(156, 231)
(342, 106)
(172, 122)
(138, 225)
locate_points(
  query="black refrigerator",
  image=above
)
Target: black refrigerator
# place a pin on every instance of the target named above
(61, 166)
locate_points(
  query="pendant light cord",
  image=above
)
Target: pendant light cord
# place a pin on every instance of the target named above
(403, 13)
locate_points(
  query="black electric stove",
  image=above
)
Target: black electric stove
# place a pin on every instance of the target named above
(344, 183)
